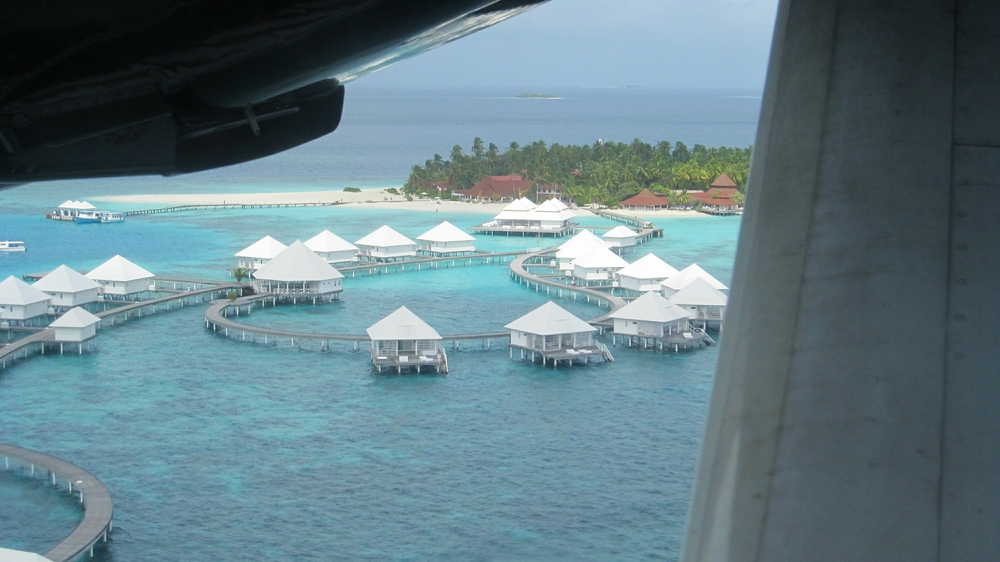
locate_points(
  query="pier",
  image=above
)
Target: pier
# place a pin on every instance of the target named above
(215, 207)
(631, 221)
(419, 263)
(520, 273)
(97, 507)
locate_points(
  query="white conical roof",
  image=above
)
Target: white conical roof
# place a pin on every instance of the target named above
(264, 249)
(550, 319)
(402, 325)
(585, 235)
(446, 232)
(75, 318)
(13, 291)
(69, 204)
(10, 555)
(65, 280)
(647, 267)
(297, 263)
(680, 279)
(552, 205)
(651, 307)
(118, 269)
(580, 244)
(620, 232)
(699, 293)
(385, 237)
(327, 241)
(522, 204)
(599, 257)
(83, 205)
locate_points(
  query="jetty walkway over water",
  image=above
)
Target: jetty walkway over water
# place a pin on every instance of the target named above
(519, 272)
(218, 206)
(97, 506)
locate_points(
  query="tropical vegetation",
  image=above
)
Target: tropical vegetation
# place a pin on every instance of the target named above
(604, 172)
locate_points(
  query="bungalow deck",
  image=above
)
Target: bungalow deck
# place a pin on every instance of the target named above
(507, 230)
(585, 354)
(410, 361)
(678, 341)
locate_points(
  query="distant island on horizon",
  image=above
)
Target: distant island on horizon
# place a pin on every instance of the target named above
(528, 96)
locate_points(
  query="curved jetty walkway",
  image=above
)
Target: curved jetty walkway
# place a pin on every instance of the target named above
(520, 273)
(97, 507)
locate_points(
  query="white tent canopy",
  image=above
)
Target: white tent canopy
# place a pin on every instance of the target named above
(75, 318)
(648, 267)
(297, 263)
(699, 293)
(15, 292)
(328, 242)
(550, 319)
(265, 248)
(651, 307)
(385, 237)
(446, 232)
(402, 325)
(119, 269)
(63, 279)
(680, 280)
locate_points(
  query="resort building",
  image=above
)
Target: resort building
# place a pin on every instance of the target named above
(385, 244)
(552, 333)
(70, 210)
(76, 326)
(577, 246)
(332, 248)
(121, 278)
(20, 302)
(548, 191)
(297, 273)
(723, 181)
(652, 321)
(402, 340)
(621, 237)
(259, 253)
(597, 267)
(718, 201)
(645, 274)
(551, 218)
(68, 288)
(496, 188)
(445, 239)
(679, 280)
(646, 200)
(705, 303)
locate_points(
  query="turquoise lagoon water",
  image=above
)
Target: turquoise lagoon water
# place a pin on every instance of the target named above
(214, 448)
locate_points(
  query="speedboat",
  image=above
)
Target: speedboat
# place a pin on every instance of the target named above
(12, 246)
(112, 217)
(88, 216)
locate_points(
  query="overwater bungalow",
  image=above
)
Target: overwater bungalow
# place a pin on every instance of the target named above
(582, 243)
(445, 239)
(385, 244)
(68, 288)
(121, 279)
(652, 321)
(297, 273)
(554, 334)
(402, 341)
(679, 280)
(76, 326)
(705, 303)
(259, 253)
(621, 237)
(551, 218)
(597, 267)
(332, 248)
(645, 274)
(20, 303)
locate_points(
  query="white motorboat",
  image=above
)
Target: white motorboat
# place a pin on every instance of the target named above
(12, 246)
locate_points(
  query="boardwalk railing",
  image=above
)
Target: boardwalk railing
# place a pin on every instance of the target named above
(97, 507)
(214, 207)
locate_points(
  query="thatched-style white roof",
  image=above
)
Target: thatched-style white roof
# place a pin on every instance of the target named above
(13, 291)
(264, 249)
(75, 318)
(552, 205)
(680, 279)
(84, 206)
(402, 325)
(585, 235)
(550, 319)
(699, 293)
(599, 257)
(65, 280)
(297, 263)
(522, 204)
(446, 232)
(69, 204)
(385, 237)
(119, 269)
(620, 232)
(327, 241)
(648, 267)
(651, 307)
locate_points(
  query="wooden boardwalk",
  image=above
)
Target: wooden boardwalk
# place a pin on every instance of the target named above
(520, 273)
(97, 506)
(428, 262)
(215, 207)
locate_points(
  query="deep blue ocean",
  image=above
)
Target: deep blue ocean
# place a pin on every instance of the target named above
(216, 449)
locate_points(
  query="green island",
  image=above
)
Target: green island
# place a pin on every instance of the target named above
(527, 96)
(604, 173)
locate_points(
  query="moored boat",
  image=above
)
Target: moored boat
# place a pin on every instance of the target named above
(12, 246)
(112, 217)
(88, 216)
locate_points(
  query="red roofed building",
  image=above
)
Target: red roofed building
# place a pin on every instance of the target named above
(504, 188)
(646, 200)
(719, 201)
(723, 181)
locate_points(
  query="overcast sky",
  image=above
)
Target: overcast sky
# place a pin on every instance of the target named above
(651, 43)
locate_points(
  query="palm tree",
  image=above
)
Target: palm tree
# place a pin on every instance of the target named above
(477, 147)
(241, 273)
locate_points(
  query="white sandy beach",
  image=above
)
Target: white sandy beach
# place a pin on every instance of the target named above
(372, 196)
